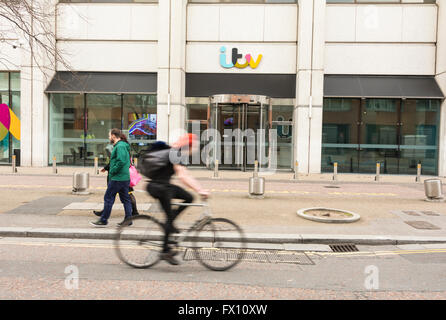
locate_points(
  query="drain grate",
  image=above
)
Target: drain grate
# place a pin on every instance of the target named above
(346, 247)
(334, 187)
(261, 256)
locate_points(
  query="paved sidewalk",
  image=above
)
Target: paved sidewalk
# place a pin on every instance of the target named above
(32, 204)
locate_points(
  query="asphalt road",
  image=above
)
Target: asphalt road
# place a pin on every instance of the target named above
(88, 269)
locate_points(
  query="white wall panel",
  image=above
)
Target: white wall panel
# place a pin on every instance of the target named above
(277, 58)
(280, 23)
(419, 23)
(203, 23)
(241, 23)
(107, 22)
(379, 23)
(413, 59)
(10, 58)
(110, 56)
(252, 23)
(340, 23)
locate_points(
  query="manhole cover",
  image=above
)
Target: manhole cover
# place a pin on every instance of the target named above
(411, 213)
(430, 213)
(262, 256)
(328, 215)
(422, 225)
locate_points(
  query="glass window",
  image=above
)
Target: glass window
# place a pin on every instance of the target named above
(103, 113)
(67, 128)
(10, 126)
(80, 123)
(340, 135)
(419, 136)
(140, 120)
(282, 121)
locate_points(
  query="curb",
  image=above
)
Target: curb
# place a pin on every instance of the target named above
(109, 234)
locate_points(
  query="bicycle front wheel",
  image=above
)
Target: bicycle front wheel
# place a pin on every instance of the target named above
(139, 241)
(220, 244)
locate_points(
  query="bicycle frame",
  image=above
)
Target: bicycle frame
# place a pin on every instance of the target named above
(205, 216)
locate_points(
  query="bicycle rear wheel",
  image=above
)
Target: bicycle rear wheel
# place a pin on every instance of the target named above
(139, 245)
(220, 244)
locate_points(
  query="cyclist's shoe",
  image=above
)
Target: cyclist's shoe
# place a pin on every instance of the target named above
(99, 224)
(169, 257)
(98, 213)
(124, 223)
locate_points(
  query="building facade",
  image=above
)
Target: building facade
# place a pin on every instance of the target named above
(348, 81)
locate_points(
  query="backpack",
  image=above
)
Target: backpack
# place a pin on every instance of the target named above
(153, 161)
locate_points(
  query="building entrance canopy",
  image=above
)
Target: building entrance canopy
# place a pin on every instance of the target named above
(103, 82)
(358, 86)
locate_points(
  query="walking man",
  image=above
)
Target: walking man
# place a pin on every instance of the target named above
(119, 179)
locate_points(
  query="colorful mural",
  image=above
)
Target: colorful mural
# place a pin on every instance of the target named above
(9, 122)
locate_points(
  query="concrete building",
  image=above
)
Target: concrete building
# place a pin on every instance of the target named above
(347, 81)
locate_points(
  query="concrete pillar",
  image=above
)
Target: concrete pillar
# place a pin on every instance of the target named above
(171, 69)
(36, 73)
(440, 75)
(309, 86)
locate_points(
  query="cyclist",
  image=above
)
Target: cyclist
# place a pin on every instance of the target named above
(160, 188)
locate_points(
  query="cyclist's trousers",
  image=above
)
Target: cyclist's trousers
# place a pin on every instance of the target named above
(165, 192)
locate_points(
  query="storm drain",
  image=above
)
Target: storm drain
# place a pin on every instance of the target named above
(347, 247)
(334, 187)
(260, 256)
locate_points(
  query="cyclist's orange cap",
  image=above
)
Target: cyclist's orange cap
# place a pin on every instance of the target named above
(185, 140)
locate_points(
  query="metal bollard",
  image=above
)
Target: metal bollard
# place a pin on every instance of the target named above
(96, 169)
(14, 169)
(296, 172)
(216, 170)
(335, 171)
(81, 183)
(256, 184)
(378, 171)
(54, 165)
(418, 178)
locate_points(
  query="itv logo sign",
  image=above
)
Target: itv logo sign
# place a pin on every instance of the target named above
(249, 60)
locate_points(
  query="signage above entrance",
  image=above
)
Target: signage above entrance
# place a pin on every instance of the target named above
(249, 60)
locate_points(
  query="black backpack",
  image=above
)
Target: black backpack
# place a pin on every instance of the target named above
(152, 161)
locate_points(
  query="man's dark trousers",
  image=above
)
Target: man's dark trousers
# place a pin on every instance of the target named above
(114, 187)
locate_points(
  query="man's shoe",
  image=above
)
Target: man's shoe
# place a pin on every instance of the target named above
(125, 223)
(98, 213)
(169, 257)
(135, 213)
(99, 224)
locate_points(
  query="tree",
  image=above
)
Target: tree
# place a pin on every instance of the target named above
(29, 25)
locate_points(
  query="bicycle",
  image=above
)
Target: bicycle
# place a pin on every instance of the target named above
(217, 243)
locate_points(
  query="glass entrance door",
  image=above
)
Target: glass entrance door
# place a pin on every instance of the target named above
(242, 123)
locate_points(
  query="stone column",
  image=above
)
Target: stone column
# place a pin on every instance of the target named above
(171, 108)
(37, 69)
(309, 86)
(440, 75)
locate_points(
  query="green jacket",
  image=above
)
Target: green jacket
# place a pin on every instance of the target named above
(120, 162)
